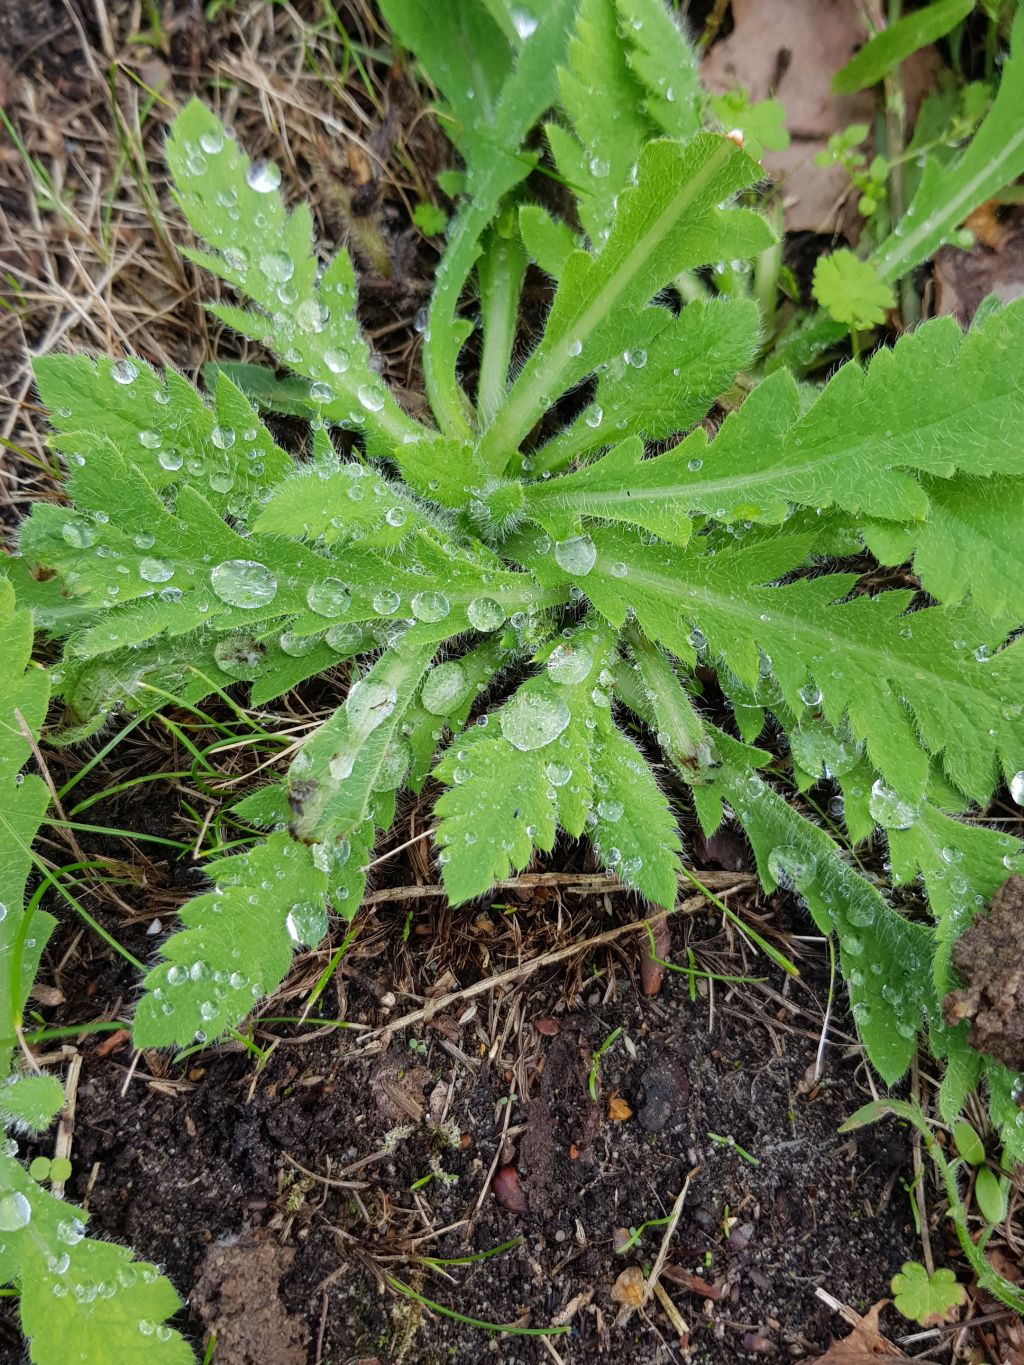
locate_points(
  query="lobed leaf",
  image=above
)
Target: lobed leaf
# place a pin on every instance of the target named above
(665, 387)
(305, 316)
(937, 403)
(667, 223)
(902, 683)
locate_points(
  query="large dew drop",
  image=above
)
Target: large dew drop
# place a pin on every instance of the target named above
(820, 752)
(306, 924)
(79, 534)
(368, 705)
(243, 583)
(1017, 787)
(155, 570)
(337, 359)
(430, 606)
(577, 555)
(532, 719)
(386, 602)
(239, 656)
(789, 866)
(569, 665)
(444, 688)
(124, 372)
(345, 638)
(278, 266)
(485, 614)
(15, 1211)
(890, 809)
(329, 597)
(263, 177)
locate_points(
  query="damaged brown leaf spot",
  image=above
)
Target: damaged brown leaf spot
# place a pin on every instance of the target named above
(990, 961)
(300, 793)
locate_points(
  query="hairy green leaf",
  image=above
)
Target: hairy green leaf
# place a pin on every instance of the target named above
(856, 447)
(949, 191)
(491, 146)
(667, 223)
(923, 1297)
(306, 317)
(895, 43)
(664, 387)
(968, 546)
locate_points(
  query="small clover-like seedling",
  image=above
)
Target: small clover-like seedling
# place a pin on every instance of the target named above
(851, 291)
(927, 1299)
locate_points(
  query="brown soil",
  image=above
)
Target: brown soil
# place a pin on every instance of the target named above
(989, 959)
(205, 1165)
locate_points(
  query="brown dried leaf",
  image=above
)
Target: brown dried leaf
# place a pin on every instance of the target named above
(652, 973)
(48, 996)
(994, 265)
(397, 1089)
(675, 1274)
(790, 50)
(508, 1191)
(864, 1344)
(112, 1042)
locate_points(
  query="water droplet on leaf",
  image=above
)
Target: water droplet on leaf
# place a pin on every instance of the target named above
(430, 606)
(155, 570)
(444, 688)
(263, 177)
(889, 809)
(532, 719)
(568, 664)
(244, 583)
(576, 555)
(15, 1212)
(485, 614)
(329, 597)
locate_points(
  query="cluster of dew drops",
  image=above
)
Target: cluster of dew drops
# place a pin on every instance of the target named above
(16, 1215)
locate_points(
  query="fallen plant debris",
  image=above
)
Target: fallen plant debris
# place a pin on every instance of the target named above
(865, 1343)
(627, 572)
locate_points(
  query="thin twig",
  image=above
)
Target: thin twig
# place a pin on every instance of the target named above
(670, 1230)
(584, 882)
(490, 983)
(66, 1126)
